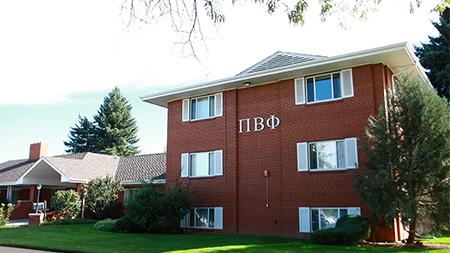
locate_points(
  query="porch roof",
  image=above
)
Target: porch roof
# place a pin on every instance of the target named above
(82, 167)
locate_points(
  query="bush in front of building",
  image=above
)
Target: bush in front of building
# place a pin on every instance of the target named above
(349, 230)
(75, 221)
(107, 225)
(151, 210)
(102, 196)
(67, 204)
(5, 213)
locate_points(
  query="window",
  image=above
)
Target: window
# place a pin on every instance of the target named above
(322, 218)
(203, 217)
(202, 107)
(327, 155)
(324, 87)
(316, 218)
(202, 164)
(128, 195)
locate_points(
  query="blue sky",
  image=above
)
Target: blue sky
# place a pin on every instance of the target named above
(55, 65)
(25, 124)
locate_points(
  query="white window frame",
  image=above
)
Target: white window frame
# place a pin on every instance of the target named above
(209, 218)
(209, 101)
(325, 208)
(314, 85)
(217, 163)
(209, 163)
(317, 156)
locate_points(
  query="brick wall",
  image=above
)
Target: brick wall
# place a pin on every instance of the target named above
(241, 189)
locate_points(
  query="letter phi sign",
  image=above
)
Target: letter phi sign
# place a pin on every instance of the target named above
(258, 124)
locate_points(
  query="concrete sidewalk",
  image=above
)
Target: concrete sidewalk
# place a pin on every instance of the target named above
(18, 250)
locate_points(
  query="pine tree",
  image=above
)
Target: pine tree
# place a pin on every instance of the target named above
(435, 56)
(408, 147)
(81, 137)
(116, 129)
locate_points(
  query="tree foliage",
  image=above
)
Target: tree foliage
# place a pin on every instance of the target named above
(81, 137)
(102, 196)
(408, 147)
(435, 56)
(116, 129)
(184, 15)
(153, 210)
(67, 204)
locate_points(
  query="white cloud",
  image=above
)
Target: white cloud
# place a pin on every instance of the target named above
(51, 49)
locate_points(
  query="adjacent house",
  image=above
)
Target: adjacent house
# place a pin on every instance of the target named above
(274, 149)
(19, 178)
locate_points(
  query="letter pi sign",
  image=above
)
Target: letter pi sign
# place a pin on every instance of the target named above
(257, 124)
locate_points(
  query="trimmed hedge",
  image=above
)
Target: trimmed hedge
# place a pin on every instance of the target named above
(107, 225)
(349, 230)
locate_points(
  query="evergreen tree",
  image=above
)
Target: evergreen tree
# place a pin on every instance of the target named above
(116, 130)
(409, 158)
(81, 137)
(435, 56)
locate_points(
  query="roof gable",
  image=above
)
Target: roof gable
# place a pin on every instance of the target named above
(277, 60)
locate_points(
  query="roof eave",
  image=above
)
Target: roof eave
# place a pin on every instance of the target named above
(396, 56)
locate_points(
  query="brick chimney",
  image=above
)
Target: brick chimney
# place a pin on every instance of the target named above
(38, 150)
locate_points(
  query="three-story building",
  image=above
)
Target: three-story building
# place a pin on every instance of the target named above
(274, 149)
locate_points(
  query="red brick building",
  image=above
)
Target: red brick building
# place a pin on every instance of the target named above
(273, 150)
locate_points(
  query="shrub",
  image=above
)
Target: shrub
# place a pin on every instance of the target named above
(125, 224)
(155, 211)
(105, 225)
(67, 204)
(102, 196)
(5, 213)
(349, 230)
(75, 221)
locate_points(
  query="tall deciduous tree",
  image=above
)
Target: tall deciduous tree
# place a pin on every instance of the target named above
(435, 56)
(409, 158)
(81, 137)
(116, 129)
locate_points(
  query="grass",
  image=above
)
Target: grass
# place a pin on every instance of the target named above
(83, 238)
(439, 240)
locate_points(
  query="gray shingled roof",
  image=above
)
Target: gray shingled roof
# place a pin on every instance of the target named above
(141, 167)
(277, 60)
(87, 166)
(13, 170)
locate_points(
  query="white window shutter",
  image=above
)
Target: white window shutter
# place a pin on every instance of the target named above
(354, 211)
(300, 91)
(218, 104)
(184, 165)
(185, 110)
(184, 221)
(218, 218)
(302, 156)
(218, 163)
(347, 83)
(351, 152)
(304, 221)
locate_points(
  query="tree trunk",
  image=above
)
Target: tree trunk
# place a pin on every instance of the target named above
(412, 233)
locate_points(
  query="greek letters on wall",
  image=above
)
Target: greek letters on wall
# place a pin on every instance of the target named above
(257, 124)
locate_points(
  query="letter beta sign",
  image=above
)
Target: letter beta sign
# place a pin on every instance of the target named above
(258, 123)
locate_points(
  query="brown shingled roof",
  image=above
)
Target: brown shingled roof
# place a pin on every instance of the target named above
(87, 166)
(141, 167)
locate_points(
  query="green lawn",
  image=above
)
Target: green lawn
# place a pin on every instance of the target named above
(83, 238)
(439, 240)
